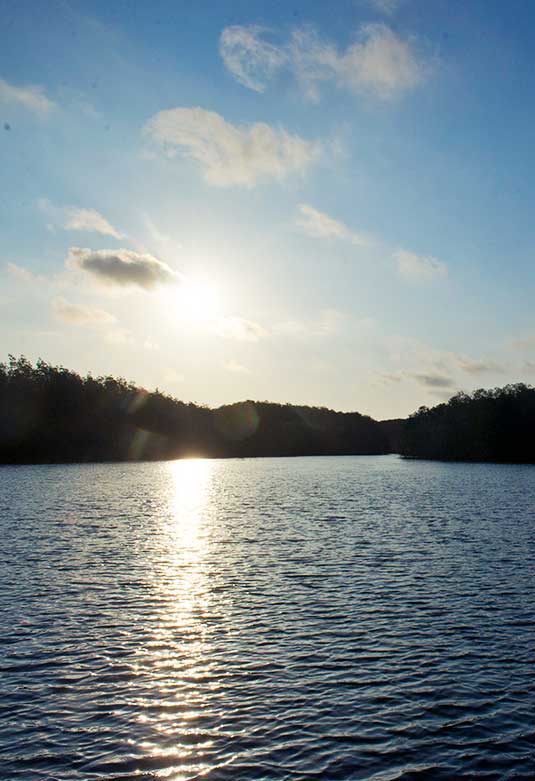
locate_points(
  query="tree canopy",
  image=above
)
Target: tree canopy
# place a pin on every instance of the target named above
(49, 414)
(486, 425)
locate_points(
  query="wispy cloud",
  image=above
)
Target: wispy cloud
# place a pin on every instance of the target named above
(327, 323)
(122, 268)
(231, 154)
(433, 380)
(76, 314)
(378, 61)
(415, 266)
(89, 220)
(436, 369)
(77, 219)
(385, 6)
(471, 366)
(32, 98)
(24, 274)
(172, 376)
(235, 367)
(321, 225)
(239, 328)
(252, 60)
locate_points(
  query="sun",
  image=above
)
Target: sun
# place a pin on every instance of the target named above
(200, 301)
(196, 301)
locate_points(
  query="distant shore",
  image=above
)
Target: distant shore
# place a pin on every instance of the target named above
(50, 415)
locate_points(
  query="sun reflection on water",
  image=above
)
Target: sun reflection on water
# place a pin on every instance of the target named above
(177, 654)
(191, 479)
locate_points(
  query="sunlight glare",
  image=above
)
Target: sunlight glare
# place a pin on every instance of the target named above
(200, 301)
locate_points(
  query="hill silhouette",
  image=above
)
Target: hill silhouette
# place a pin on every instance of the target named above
(487, 425)
(49, 414)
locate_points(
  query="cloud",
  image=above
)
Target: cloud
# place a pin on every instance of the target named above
(379, 61)
(237, 368)
(385, 6)
(89, 220)
(320, 225)
(24, 274)
(231, 154)
(251, 60)
(79, 315)
(477, 367)
(429, 379)
(122, 268)
(433, 380)
(419, 266)
(523, 343)
(32, 98)
(326, 324)
(239, 328)
(172, 377)
(77, 219)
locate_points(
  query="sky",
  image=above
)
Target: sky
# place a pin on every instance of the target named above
(306, 202)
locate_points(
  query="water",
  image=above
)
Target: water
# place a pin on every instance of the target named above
(320, 618)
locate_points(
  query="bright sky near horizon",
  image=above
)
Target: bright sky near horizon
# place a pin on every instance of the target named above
(316, 202)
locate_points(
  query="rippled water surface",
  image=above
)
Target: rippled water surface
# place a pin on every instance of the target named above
(320, 618)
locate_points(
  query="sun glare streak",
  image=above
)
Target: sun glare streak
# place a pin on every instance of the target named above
(191, 478)
(177, 655)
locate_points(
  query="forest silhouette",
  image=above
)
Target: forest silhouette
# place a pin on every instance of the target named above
(49, 414)
(486, 425)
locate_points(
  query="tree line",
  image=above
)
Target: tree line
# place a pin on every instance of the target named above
(49, 414)
(487, 425)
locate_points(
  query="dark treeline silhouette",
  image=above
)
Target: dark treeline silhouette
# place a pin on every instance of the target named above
(49, 414)
(487, 425)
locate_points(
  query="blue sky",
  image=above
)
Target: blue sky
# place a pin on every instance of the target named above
(323, 203)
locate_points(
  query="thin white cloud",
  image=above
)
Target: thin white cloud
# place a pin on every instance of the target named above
(24, 274)
(231, 154)
(235, 367)
(172, 377)
(77, 219)
(471, 366)
(415, 266)
(379, 61)
(120, 337)
(320, 225)
(385, 6)
(89, 220)
(32, 98)
(75, 314)
(251, 60)
(122, 268)
(239, 328)
(328, 323)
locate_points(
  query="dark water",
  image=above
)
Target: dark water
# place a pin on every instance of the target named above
(343, 618)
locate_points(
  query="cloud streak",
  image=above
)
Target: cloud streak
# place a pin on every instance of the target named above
(122, 268)
(413, 266)
(32, 98)
(231, 154)
(385, 6)
(251, 60)
(378, 62)
(74, 218)
(235, 367)
(75, 314)
(321, 225)
(240, 328)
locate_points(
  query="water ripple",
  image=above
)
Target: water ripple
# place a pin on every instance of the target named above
(343, 618)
